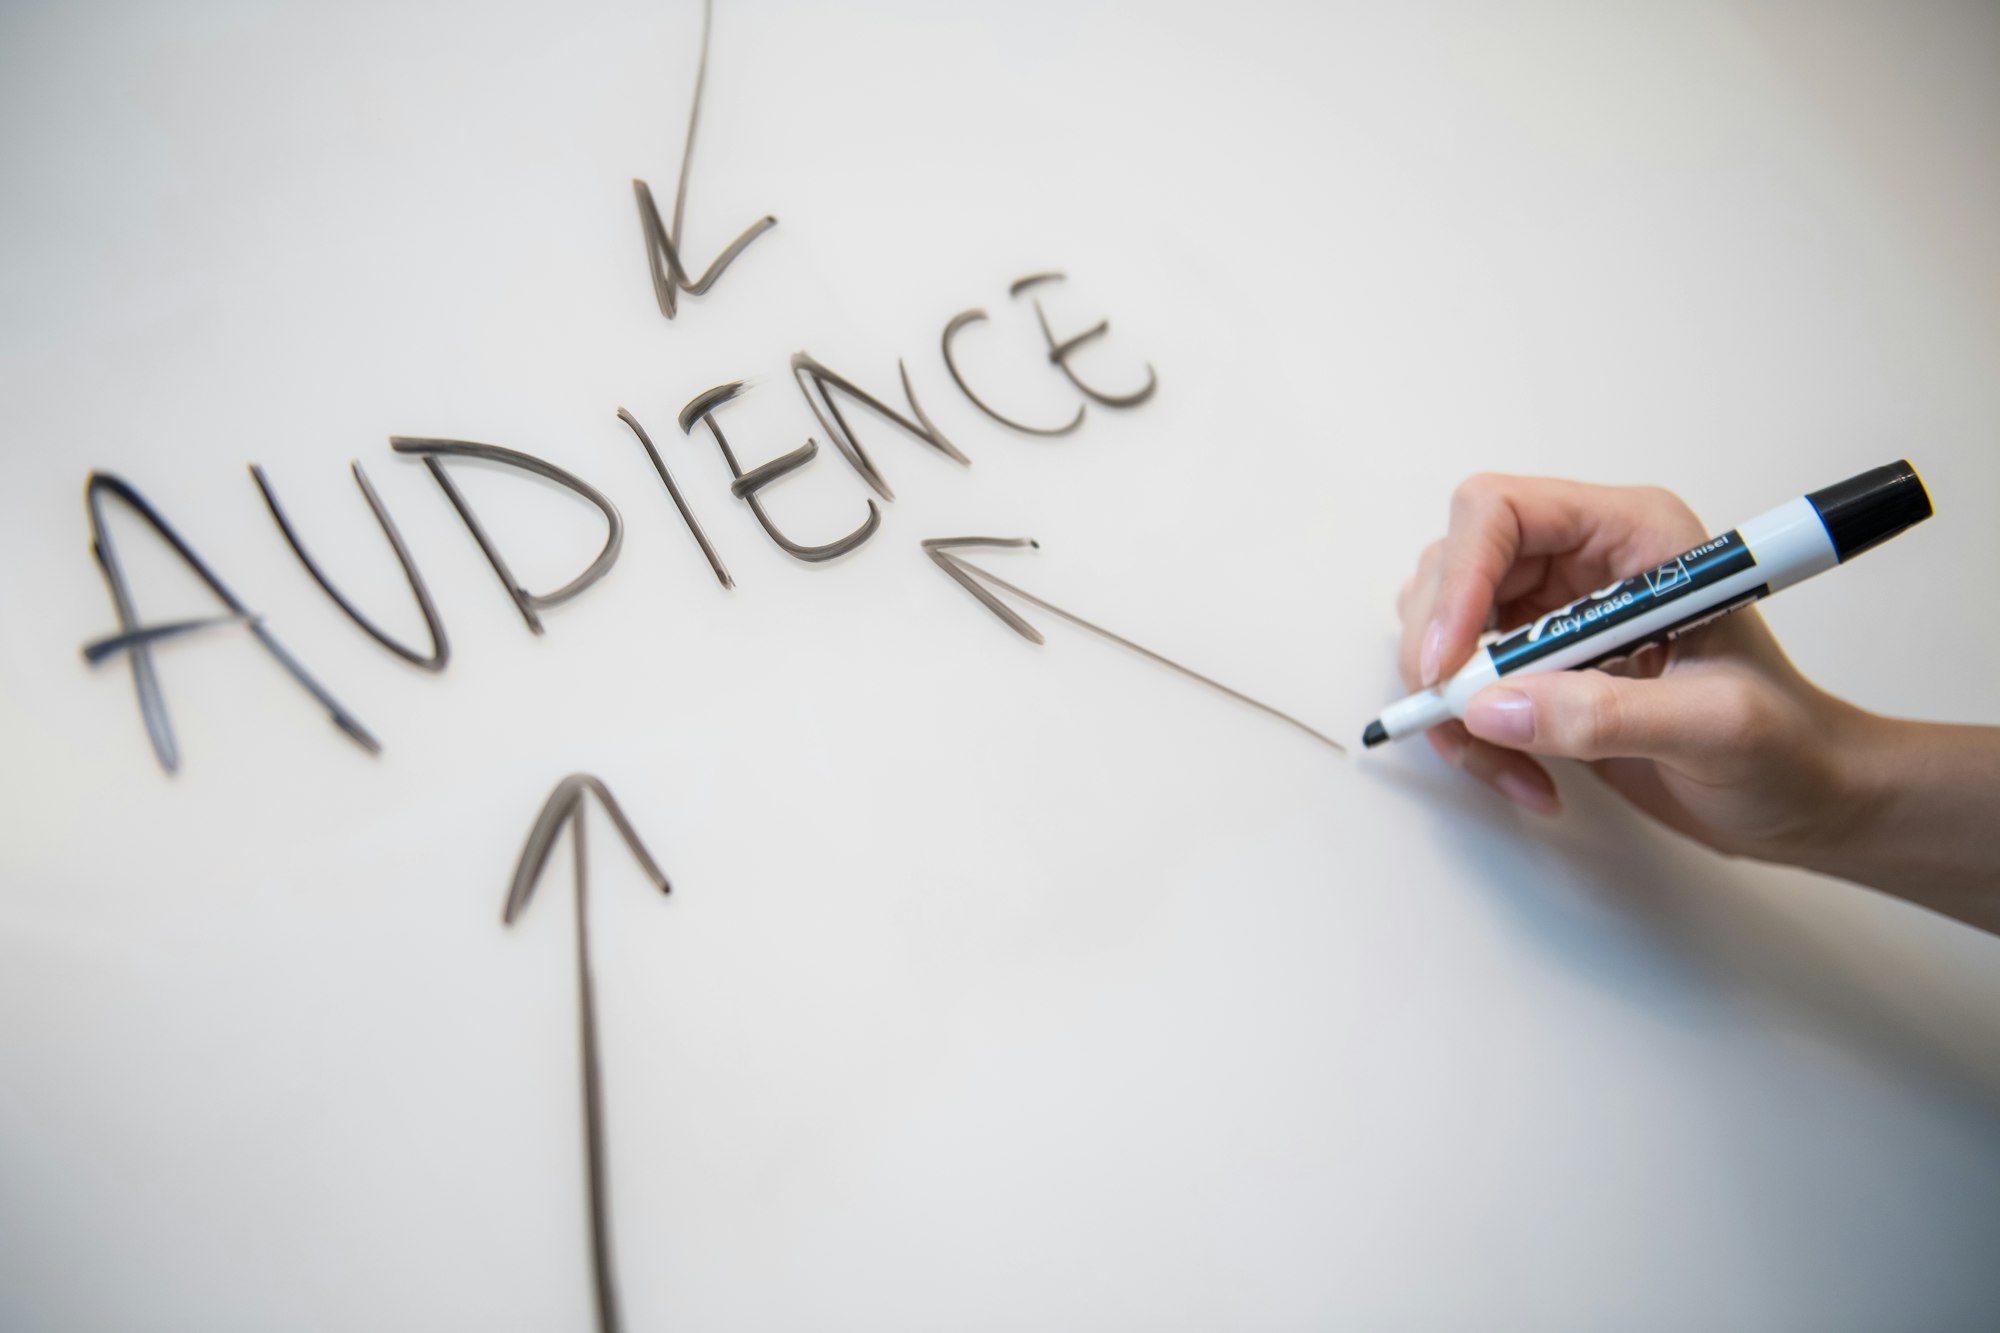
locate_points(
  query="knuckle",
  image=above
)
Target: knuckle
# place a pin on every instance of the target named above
(1742, 712)
(1599, 719)
(1478, 486)
(1450, 743)
(1475, 493)
(1673, 511)
(1482, 761)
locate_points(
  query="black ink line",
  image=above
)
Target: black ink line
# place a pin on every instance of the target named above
(707, 401)
(529, 603)
(1060, 349)
(565, 807)
(440, 652)
(98, 651)
(811, 375)
(145, 678)
(663, 243)
(702, 408)
(687, 515)
(1060, 354)
(936, 547)
(1056, 353)
(962, 570)
(959, 321)
(1020, 285)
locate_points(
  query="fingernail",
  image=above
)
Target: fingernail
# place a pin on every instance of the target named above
(1524, 791)
(1427, 665)
(1505, 717)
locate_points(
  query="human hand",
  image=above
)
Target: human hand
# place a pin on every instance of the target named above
(1714, 734)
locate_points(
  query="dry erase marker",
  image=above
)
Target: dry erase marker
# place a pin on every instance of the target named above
(1794, 541)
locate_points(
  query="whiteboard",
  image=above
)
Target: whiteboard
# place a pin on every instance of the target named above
(1000, 986)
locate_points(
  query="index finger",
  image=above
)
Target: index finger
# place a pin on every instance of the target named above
(1498, 521)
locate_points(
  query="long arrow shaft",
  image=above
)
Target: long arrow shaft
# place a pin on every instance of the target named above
(605, 1284)
(1148, 653)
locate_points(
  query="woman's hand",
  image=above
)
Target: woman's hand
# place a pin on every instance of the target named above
(1715, 733)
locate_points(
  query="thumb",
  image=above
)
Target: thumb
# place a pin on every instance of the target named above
(1686, 720)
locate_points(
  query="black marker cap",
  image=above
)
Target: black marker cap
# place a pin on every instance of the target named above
(1868, 510)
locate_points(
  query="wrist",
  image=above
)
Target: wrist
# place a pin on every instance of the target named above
(1866, 755)
(1913, 814)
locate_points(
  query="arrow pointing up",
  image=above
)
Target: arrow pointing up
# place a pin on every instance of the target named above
(565, 807)
(969, 576)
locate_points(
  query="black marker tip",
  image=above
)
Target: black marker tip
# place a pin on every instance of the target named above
(1375, 734)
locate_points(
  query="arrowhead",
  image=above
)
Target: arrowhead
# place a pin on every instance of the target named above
(565, 803)
(938, 548)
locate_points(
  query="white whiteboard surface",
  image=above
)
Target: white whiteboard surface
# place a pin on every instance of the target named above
(1001, 987)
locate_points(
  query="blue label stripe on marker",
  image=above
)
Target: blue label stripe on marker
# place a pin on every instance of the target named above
(1713, 560)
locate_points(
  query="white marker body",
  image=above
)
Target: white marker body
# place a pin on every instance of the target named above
(1786, 545)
